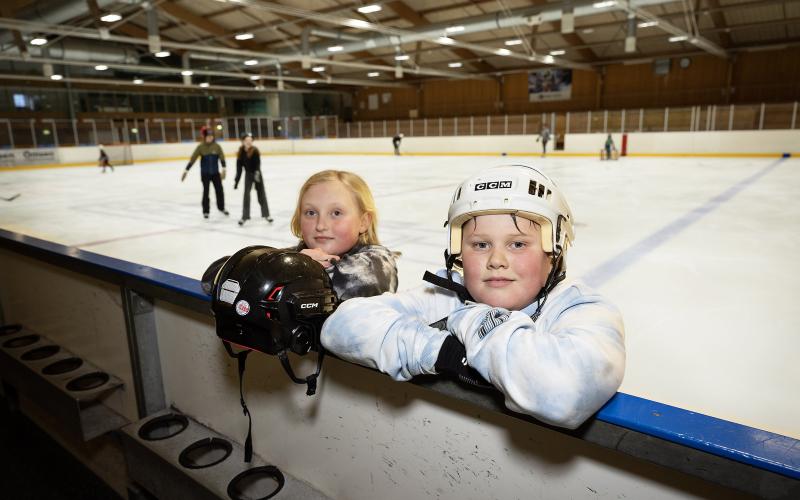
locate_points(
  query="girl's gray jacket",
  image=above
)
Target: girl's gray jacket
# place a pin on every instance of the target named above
(560, 369)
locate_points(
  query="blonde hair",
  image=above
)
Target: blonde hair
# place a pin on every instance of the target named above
(361, 194)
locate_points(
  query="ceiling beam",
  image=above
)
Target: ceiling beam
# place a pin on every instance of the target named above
(719, 22)
(204, 24)
(407, 13)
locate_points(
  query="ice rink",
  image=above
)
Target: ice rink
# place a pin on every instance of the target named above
(699, 254)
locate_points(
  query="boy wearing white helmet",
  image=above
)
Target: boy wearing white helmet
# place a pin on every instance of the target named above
(554, 347)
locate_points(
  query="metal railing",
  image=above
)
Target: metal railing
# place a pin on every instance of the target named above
(38, 133)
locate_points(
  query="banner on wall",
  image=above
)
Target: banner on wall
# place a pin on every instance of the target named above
(13, 157)
(550, 85)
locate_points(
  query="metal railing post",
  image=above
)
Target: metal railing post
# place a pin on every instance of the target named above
(794, 118)
(761, 117)
(730, 117)
(525, 122)
(33, 134)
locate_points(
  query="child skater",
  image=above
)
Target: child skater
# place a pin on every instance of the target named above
(551, 345)
(337, 223)
(210, 154)
(103, 160)
(249, 159)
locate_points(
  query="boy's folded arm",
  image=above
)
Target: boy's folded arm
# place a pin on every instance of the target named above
(561, 375)
(388, 332)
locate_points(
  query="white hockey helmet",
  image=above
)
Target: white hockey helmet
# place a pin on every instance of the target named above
(513, 189)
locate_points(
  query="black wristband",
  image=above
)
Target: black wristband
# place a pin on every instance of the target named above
(452, 357)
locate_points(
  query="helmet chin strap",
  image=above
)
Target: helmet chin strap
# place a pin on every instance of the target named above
(311, 380)
(554, 277)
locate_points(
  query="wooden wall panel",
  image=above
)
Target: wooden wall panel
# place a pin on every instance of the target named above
(767, 76)
(461, 97)
(400, 102)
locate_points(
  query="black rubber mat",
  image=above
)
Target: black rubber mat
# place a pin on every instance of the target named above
(34, 466)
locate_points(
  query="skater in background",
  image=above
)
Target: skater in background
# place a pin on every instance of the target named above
(609, 147)
(249, 160)
(544, 136)
(210, 154)
(503, 307)
(103, 161)
(396, 140)
(337, 223)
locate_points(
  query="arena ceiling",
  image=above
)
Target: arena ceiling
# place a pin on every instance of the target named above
(337, 44)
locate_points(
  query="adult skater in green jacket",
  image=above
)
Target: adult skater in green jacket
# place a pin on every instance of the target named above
(210, 154)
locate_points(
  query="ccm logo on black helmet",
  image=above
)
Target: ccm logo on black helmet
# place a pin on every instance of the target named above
(493, 185)
(309, 305)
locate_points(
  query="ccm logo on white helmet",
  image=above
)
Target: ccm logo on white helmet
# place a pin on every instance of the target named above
(481, 186)
(309, 305)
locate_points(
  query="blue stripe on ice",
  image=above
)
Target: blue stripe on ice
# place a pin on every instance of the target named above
(617, 264)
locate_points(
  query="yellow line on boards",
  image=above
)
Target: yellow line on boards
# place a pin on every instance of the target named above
(437, 153)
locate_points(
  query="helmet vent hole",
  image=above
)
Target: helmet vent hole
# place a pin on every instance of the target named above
(458, 194)
(549, 194)
(532, 188)
(541, 191)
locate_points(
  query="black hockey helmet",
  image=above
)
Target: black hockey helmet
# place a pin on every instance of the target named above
(273, 301)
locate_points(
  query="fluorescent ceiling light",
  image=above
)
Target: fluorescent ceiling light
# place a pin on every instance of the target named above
(255, 77)
(445, 40)
(369, 9)
(401, 57)
(455, 65)
(39, 40)
(335, 48)
(502, 52)
(163, 53)
(548, 59)
(56, 77)
(244, 36)
(678, 38)
(606, 3)
(557, 52)
(101, 67)
(111, 18)
(204, 84)
(647, 24)
(373, 74)
(318, 69)
(515, 41)
(311, 82)
(586, 31)
(187, 72)
(138, 81)
(357, 23)
(453, 29)
(250, 62)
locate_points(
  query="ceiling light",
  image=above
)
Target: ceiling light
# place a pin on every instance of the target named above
(187, 72)
(515, 41)
(56, 77)
(586, 31)
(502, 52)
(250, 62)
(455, 65)
(101, 67)
(204, 84)
(255, 77)
(604, 4)
(138, 81)
(311, 82)
(39, 40)
(548, 60)
(356, 23)
(163, 53)
(369, 9)
(401, 57)
(445, 40)
(453, 29)
(335, 48)
(318, 69)
(111, 18)
(373, 74)
(678, 38)
(557, 52)
(647, 24)
(244, 36)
